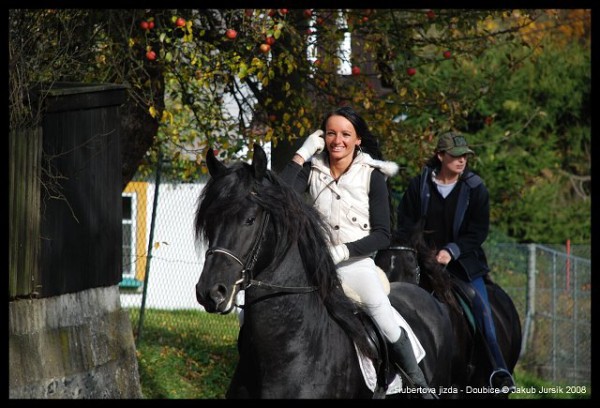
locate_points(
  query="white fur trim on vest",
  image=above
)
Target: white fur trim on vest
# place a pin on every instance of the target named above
(345, 204)
(388, 168)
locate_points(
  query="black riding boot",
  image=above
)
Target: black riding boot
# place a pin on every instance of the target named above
(401, 353)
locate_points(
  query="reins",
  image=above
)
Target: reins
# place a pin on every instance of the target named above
(403, 248)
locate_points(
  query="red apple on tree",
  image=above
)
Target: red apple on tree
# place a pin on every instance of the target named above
(447, 54)
(150, 24)
(144, 25)
(151, 55)
(355, 70)
(180, 22)
(231, 33)
(265, 48)
(411, 71)
(307, 13)
(270, 40)
(430, 14)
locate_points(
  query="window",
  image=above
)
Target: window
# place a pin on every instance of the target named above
(344, 49)
(128, 235)
(134, 229)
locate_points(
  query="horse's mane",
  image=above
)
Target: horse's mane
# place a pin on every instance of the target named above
(434, 276)
(295, 222)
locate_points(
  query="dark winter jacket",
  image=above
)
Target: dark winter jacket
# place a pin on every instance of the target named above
(469, 227)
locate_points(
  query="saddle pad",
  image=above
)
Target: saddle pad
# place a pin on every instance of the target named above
(368, 369)
(370, 376)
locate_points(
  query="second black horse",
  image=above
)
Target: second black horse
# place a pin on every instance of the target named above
(471, 364)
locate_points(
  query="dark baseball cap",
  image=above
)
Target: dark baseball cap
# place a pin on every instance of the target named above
(454, 144)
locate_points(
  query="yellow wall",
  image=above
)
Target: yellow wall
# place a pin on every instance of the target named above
(140, 188)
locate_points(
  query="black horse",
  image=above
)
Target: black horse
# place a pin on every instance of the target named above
(471, 366)
(300, 331)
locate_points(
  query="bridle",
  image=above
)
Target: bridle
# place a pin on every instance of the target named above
(246, 280)
(405, 248)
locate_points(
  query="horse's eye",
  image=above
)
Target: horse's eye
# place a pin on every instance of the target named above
(250, 220)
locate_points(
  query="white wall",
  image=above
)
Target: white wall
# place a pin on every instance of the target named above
(175, 265)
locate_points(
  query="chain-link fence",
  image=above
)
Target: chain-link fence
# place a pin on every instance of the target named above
(551, 289)
(550, 286)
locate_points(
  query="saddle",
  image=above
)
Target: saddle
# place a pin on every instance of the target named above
(465, 295)
(379, 347)
(383, 367)
(385, 371)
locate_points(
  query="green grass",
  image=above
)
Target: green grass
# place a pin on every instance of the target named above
(192, 355)
(531, 387)
(186, 354)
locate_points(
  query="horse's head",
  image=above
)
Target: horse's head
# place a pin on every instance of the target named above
(233, 222)
(416, 263)
(399, 263)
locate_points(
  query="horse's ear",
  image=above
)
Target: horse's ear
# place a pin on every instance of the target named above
(259, 162)
(214, 165)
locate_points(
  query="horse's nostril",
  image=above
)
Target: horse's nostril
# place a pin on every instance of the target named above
(218, 293)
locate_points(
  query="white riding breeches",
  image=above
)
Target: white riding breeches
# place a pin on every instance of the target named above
(361, 275)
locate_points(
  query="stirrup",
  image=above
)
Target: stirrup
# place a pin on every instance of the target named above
(505, 381)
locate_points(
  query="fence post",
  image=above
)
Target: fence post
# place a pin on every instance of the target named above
(150, 244)
(530, 301)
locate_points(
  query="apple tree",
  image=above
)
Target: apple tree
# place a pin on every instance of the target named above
(224, 78)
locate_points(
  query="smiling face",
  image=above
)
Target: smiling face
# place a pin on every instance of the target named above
(341, 138)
